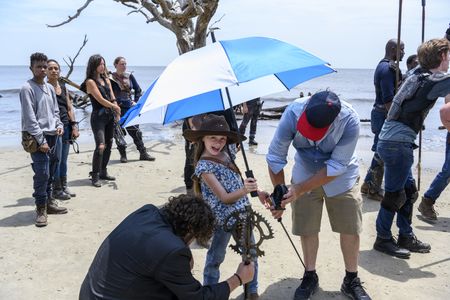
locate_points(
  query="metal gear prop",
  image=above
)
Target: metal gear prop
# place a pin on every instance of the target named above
(241, 224)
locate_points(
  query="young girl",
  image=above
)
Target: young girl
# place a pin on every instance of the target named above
(221, 186)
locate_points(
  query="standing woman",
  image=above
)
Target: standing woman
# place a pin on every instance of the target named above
(105, 112)
(67, 116)
(125, 86)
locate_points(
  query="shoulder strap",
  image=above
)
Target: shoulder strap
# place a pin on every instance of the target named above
(231, 165)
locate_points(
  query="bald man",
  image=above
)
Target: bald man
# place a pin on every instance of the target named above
(385, 84)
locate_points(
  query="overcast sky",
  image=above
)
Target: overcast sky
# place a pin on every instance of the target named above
(346, 33)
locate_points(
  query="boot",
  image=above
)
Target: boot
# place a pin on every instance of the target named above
(144, 155)
(58, 192)
(371, 191)
(95, 179)
(104, 175)
(252, 142)
(391, 247)
(426, 208)
(65, 188)
(123, 155)
(54, 209)
(41, 216)
(413, 244)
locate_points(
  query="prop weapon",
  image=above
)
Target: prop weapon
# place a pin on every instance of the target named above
(241, 224)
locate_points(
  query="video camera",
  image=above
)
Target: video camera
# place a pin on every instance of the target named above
(277, 196)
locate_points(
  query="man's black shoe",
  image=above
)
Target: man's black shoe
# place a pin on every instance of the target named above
(354, 289)
(390, 247)
(309, 285)
(413, 244)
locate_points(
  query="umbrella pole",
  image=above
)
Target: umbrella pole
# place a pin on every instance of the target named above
(248, 172)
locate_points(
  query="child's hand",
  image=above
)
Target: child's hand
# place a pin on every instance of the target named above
(250, 185)
(264, 198)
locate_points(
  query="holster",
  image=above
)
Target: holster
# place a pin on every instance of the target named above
(393, 201)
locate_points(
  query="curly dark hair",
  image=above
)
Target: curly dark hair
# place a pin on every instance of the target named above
(37, 57)
(190, 216)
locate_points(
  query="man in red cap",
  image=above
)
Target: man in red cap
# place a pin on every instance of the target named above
(324, 132)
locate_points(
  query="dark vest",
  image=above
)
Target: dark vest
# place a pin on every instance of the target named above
(415, 109)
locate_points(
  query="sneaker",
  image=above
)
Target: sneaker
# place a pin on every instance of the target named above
(426, 209)
(390, 247)
(413, 244)
(354, 289)
(309, 286)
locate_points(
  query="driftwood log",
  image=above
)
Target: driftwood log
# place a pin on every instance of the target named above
(273, 113)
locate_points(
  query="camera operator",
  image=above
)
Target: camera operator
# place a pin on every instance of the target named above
(324, 131)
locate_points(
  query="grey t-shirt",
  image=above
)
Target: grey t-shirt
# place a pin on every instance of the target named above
(40, 112)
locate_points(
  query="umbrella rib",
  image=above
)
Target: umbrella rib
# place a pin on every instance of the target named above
(281, 81)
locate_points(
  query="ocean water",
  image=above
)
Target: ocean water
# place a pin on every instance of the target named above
(353, 85)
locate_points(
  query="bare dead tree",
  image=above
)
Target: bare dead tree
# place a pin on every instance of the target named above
(187, 19)
(72, 60)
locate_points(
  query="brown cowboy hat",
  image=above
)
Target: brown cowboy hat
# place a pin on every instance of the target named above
(213, 125)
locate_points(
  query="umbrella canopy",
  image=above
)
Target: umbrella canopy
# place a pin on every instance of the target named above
(195, 82)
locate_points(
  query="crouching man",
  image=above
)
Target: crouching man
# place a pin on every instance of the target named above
(148, 257)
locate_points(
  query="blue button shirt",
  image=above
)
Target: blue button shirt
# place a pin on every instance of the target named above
(335, 151)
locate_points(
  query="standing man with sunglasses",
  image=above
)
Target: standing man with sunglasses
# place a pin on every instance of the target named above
(40, 119)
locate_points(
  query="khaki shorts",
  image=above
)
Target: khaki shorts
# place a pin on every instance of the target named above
(344, 212)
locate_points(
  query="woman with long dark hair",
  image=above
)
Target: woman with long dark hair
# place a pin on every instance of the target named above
(105, 112)
(67, 116)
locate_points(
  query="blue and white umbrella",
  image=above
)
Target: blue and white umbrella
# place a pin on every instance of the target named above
(195, 82)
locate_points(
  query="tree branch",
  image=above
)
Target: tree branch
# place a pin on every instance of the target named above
(76, 15)
(158, 16)
(72, 61)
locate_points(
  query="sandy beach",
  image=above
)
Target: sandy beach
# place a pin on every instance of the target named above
(51, 262)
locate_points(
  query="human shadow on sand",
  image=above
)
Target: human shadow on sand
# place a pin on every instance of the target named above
(28, 201)
(442, 224)
(370, 205)
(390, 267)
(87, 182)
(285, 289)
(23, 218)
(179, 190)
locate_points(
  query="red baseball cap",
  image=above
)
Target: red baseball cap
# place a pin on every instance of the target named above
(320, 112)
